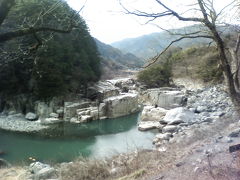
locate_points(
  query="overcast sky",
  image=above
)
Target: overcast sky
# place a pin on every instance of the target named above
(108, 23)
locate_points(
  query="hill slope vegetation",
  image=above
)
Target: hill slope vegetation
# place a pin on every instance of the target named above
(148, 46)
(64, 63)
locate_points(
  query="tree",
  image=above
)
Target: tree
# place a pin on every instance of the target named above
(43, 63)
(7, 5)
(207, 15)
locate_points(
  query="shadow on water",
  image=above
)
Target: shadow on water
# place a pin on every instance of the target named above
(68, 141)
(99, 127)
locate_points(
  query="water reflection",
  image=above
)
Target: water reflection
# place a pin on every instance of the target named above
(96, 139)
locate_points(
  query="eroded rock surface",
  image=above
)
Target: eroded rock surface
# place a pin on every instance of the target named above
(167, 98)
(124, 104)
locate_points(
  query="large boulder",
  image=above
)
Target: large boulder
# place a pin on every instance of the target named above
(179, 115)
(163, 97)
(70, 109)
(125, 84)
(37, 166)
(43, 109)
(88, 114)
(124, 104)
(151, 113)
(31, 116)
(161, 137)
(48, 121)
(147, 125)
(103, 90)
(54, 115)
(42, 171)
(169, 129)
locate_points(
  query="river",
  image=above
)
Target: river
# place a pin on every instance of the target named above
(102, 138)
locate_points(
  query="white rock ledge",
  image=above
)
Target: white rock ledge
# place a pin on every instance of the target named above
(147, 125)
(18, 123)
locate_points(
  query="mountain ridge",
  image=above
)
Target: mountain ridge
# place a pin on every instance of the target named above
(147, 46)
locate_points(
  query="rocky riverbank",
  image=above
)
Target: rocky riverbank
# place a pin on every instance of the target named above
(106, 99)
(18, 123)
(195, 109)
(184, 119)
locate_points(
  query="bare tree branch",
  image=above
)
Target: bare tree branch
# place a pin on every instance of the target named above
(208, 20)
(155, 59)
(11, 35)
(237, 44)
(167, 12)
(174, 13)
(33, 30)
(178, 34)
(223, 9)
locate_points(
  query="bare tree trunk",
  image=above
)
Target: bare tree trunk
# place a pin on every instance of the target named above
(209, 20)
(225, 63)
(235, 68)
(232, 86)
(228, 75)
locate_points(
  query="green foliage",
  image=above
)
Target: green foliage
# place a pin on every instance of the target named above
(65, 63)
(155, 76)
(209, 71)
(197, 63)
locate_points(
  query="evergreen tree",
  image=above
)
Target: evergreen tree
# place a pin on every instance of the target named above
(60, 64)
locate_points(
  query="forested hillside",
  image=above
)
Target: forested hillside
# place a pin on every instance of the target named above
(113, 54)
(148, 46)
(47, 63)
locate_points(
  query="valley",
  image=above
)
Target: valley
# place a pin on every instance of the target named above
(160, 106)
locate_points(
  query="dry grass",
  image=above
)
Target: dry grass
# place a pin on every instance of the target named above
(197, 63)
(134, 175)
(122, 167)
(83, 169)
(144, 164)
(13, 173)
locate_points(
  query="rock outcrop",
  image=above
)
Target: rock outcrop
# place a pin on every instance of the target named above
(124, 104)
(40, 171)
(151, 113)
(110, 102)
(202, 107)
(70, 109)
(179, 115)
(147, 125)
(31, 116)
(167, 98)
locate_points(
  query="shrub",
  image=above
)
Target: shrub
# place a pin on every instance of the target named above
(84, 169)
(197, 63)
(209, 71)
(156, 76)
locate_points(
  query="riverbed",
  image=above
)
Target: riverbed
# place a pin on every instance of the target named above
(102, 138)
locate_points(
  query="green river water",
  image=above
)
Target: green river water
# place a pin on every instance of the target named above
(102, 138)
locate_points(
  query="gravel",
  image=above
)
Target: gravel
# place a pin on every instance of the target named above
(18, 123)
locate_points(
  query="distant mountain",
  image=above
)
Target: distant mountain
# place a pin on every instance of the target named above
(148, 46)
(122, 59)
(115, 63)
